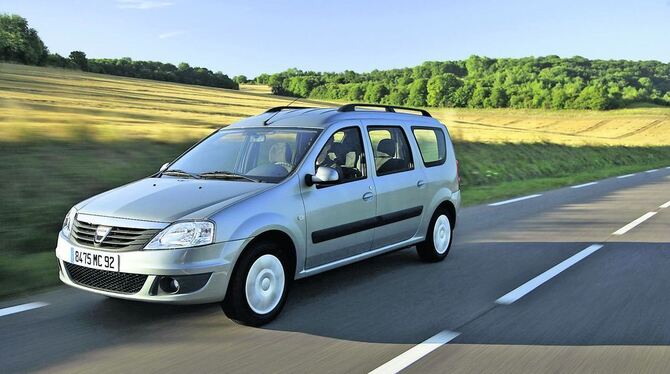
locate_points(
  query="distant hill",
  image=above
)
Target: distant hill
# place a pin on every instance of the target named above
(549, 82)
(22, 44)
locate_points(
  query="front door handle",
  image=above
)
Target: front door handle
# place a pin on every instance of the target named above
(368, 196)
(420, 183)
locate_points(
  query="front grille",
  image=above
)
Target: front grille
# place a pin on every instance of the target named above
(106, 280)
(119, 238)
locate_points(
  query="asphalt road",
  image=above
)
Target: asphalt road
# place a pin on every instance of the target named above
(574, 308)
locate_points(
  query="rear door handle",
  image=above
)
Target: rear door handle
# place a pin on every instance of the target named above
(368, 196)
(420, 183)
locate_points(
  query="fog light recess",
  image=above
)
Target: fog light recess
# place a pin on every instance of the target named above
(169, 285)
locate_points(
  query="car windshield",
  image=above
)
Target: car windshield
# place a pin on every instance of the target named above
(251, 155)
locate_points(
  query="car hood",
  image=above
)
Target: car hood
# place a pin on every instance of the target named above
(170, 199)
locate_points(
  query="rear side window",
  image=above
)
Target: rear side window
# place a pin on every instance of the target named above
(432, 145)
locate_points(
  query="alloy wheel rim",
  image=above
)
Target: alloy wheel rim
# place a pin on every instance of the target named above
(442, 234)
(265, 284)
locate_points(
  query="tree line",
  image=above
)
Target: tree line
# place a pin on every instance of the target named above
(547, 82)
(20, 43)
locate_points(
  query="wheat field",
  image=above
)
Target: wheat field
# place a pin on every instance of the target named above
(63, 104)
(630, 127)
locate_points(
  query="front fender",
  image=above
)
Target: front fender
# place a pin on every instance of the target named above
(256, 225)
(279, 208)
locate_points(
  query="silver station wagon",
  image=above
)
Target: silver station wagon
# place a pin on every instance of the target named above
(275, 197)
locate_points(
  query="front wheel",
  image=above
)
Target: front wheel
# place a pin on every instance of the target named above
(258, 286)
(438, 239)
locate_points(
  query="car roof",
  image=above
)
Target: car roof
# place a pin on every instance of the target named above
(323, 118)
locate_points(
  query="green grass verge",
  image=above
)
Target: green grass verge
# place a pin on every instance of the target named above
(494, 171)
(483, 194)
(42, 179)
(26, 272)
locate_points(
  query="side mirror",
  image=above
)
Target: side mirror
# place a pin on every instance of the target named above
(165, 165)
(324, 176)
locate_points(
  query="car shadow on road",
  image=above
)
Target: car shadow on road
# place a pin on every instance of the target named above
(614, 296)
(396, 298)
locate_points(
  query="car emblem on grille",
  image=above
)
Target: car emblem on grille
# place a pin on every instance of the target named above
(101, 233)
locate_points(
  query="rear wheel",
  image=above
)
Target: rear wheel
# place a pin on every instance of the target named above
(258, 286)
(438, 239)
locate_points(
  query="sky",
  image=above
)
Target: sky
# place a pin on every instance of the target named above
(252, 37)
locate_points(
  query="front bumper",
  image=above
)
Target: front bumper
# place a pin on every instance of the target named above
(217, 259)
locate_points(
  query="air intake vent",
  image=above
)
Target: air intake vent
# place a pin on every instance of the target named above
(106, 280)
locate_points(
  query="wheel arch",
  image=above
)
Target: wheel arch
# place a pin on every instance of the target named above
(447, 207)
(273, 235)
(280, 237)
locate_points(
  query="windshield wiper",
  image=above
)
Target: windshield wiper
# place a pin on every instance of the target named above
(180, 172)
(227, 175)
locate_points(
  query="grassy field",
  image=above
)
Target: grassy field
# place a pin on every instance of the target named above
(66, 135)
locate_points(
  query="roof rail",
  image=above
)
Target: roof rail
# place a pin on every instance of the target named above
(280, 108)
(388, 108)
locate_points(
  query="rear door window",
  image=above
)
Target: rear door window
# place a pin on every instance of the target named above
(391, 150)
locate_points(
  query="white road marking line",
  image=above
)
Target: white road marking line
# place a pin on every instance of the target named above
(515, 200)
(666, 205)
(651, 171)
(536, 282)
(584, 185)
(638, 221)
(625, 176)
(21, 308)
(415, 353)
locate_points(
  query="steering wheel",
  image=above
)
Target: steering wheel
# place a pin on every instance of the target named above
(286, 165)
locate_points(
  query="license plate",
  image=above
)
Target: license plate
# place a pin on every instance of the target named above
(94, 260)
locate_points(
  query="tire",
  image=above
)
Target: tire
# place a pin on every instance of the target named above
(258, 286)
(438, 238)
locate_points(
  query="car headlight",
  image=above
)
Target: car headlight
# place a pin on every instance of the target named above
(183, 235)
(68, 221)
